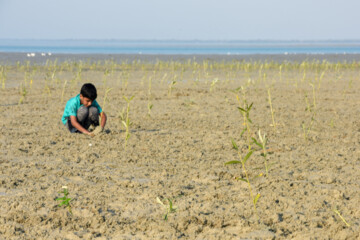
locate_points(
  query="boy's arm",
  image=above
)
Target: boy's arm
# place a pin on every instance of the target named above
(103, 119)
(77, 125)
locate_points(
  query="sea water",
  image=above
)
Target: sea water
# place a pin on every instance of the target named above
(179, 47)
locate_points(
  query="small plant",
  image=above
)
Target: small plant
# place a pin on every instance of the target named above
(213, 83)
(169, 207)
(171, 87)
(246, 179)
(247, 121)
(150, 106)
(312, 109)
(105, 77)
(23, 93)
(2, 77)
(271, 108)
(63, 91)
(126, 122)
(65, 201)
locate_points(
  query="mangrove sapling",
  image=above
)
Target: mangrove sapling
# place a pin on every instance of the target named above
(23, 92)
(271, 109)
(127, 122)
(212, 86)
(245, 112)
(246, 179)
(105, 77)
(150, 105)
(171, 86)
(2, 77)
(312, 109)
(98, 129)
(169, 207)
(63, 91)
(65, 201)
(247, 121)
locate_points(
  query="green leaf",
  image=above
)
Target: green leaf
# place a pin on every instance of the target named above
(256, 142)
(247, 157)
(170, 203)
(249, 108)
(237, 89)
(241, 109)
(232, 162)
(256, 198)
(234, 144)
(242, 179)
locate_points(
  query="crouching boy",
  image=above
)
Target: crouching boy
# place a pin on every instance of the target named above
(83, 111)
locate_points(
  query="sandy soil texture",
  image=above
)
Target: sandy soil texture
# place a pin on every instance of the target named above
(183, 117)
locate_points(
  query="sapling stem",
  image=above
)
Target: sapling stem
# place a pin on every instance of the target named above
(271, 109)
(247, 180)
(63, 91)
(127, 122)
(104, 103)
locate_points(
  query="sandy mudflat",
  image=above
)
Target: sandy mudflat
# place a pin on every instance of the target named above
(178, 151)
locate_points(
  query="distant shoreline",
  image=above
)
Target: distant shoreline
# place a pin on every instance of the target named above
(7, 58)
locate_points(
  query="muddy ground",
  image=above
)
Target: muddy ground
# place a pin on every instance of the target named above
(178, 150)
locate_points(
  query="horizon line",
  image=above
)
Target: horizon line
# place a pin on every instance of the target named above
(182, 40)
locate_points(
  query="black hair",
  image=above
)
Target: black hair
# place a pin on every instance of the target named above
(88, 90)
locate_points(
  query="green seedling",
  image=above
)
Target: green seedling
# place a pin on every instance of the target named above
(262, 144)
(243, 160)
(99, 129)
(126, 122)
(23, 93)
(149, 106)
(312, 109)
(171, 87)
(246, 121)
(271, 108)
(65, 201)
(105, 77)
(169, 207)
(213, 83)
(244, 109)
(341, 217)
(63, 91)
(2, 77)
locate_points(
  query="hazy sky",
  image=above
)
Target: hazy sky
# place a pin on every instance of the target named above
(180, 19)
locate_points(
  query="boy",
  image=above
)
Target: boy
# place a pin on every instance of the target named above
(83, 110)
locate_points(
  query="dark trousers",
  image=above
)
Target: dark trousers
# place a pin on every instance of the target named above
(86, 117)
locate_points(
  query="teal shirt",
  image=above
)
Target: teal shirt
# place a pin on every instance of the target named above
(73, 105)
